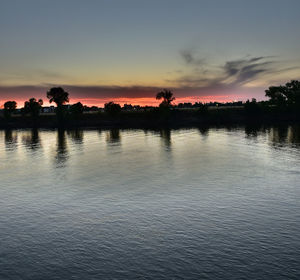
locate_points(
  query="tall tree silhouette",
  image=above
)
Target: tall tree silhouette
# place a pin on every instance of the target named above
(167, 97)
(60, 97)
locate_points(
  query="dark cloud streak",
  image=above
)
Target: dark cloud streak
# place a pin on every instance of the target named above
(232, 74)
(190, 58)
(245, 70)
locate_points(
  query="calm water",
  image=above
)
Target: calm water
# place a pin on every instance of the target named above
(134, 204)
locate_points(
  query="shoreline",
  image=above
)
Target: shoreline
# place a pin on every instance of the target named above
(145, 125)
(154, 119)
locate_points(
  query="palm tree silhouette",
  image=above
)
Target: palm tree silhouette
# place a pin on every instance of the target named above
(167, 97)
(58, 96)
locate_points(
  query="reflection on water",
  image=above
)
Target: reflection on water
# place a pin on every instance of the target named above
(204, 131)
(11, 139)
(253, 130)
(165, 135)
(61, 145)
(152, 204)
(31, 139)
(76, 135)
(293, 135)
(113, 136)
(281, 134)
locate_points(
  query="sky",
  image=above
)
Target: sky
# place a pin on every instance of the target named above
(128, 50)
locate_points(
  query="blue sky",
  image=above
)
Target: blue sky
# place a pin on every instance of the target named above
(129, 49)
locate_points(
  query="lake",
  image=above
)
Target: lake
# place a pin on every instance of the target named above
(211, 203)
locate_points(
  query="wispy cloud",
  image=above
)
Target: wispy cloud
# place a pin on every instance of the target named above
(231, 74)
(242, 71)
(189, 56)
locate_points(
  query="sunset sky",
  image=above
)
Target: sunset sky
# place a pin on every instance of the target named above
(127, 50)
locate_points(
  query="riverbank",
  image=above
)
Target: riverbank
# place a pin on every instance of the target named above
(155, 119)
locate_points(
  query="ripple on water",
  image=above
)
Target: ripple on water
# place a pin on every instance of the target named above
(165, 204)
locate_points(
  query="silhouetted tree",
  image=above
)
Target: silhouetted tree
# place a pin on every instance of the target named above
(289, 94)
(76, 110)
(9, 108)
(277, 95)
(33, 107)
(293, 93)
(112, 108)
(167, 97)
(60, 97)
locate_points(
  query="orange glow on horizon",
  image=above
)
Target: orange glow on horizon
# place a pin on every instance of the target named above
(143, 101)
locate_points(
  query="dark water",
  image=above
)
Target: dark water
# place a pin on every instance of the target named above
(134, 204)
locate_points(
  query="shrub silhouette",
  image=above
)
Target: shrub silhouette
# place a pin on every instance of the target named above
(76, 110)
(112, 108)
(9, 108)
(33, 107)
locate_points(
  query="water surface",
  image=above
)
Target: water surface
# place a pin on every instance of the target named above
(166, 204)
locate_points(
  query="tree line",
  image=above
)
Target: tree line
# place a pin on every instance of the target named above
(283, 96)
(60, 97)
(33, 106)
